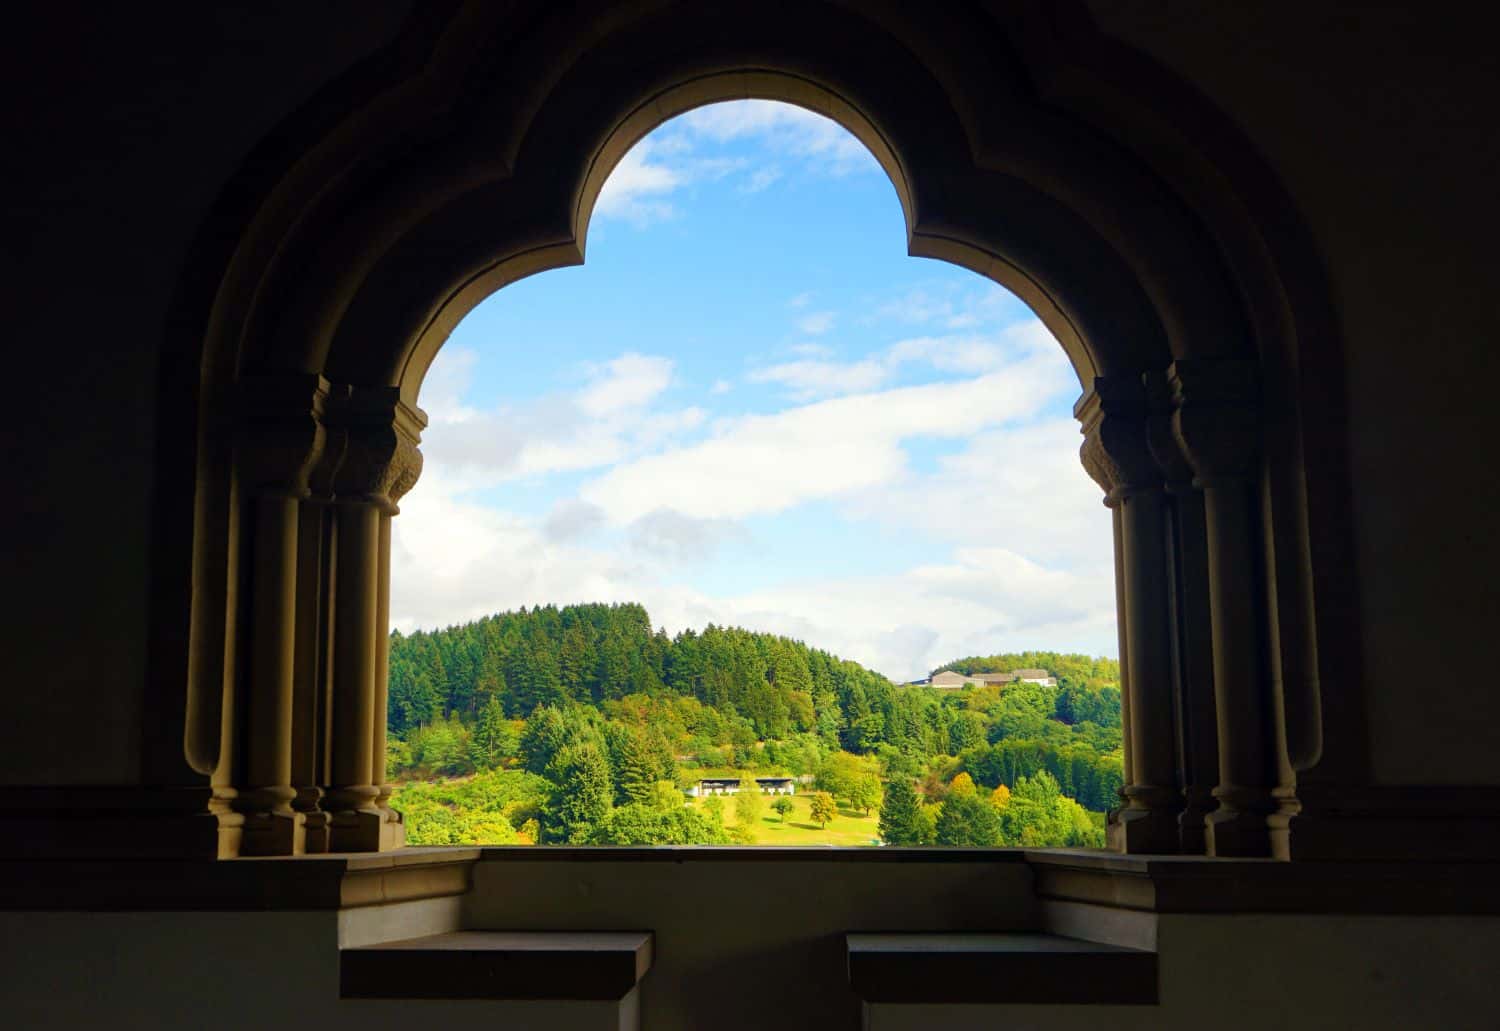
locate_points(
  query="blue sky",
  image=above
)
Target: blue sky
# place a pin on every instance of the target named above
(750, 406)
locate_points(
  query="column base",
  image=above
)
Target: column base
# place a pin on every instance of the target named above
(316, 820)
(1144, 831)
(274, 834)
(1243, 833)
(317, 833)
(364, 830)
(1192, 838)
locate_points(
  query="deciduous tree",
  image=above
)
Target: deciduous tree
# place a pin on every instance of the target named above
(822, 808)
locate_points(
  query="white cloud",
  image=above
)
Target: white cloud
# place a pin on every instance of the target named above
(675, 537)
(769, 463)
(608, 420)
(636, 188)
(571, 519)
(1023, 483)
(811, 350)
(823, 145)
(960, 354)
(455, 561)
(721, 386)
(947, 306)
(629, 381)
(640, 187)
(811, 379)
(801, 300)
(817, 323)
(761, 179)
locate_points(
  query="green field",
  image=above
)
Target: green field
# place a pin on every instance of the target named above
(848, 828)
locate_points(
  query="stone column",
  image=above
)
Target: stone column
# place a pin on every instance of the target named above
(1192, 653)
(280, 437)
(1217, 423)
(381, 463)
(313, 678)
(395, 830)
(1116, 455)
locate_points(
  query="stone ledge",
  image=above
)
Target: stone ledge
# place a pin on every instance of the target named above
(326, 882)
(740, 854)
(1193, 884)
(501, 965)
(1014, 967)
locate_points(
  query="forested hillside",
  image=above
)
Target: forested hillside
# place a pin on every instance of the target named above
(583, 724)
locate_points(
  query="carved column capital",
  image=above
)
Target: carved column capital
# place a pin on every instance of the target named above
(1116, 451)
(379, 433)
(1161, 439)
(1217, 418)
(280, 432)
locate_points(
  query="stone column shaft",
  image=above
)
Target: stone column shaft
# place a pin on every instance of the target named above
(1217, 423)
(1191, 633)
(1116, 455)
(352, 793)
(312, 678)
(280, 438)
(383, 676)
(1149, 650)
(1198, 727)
(380, 464)
(268, 765)
(1124, 639)
(1247, 777)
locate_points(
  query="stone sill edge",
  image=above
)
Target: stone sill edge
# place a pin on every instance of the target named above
(1160, 884)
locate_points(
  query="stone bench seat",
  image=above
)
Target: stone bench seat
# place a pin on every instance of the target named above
(499, 965)
(1010, 967)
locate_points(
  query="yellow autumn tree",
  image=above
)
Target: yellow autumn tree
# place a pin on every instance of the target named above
(1000, 797)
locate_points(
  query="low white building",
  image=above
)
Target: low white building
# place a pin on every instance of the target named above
(731, 786)
(951, 680)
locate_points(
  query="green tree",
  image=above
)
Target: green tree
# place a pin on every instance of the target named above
(749, 803)
(582, 796)
(636, 766)
(665, 796)
(968, 821)
(864, 792)
(542, 738)
(901, 815)
(823, 808)
(966, 731)
(637, 824)
(494, 740)
(783, 806)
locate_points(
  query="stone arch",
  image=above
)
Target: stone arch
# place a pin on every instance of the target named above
(469, 155)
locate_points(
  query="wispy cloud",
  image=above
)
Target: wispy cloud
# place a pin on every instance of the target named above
(824, 146)
(612, 416)
(816, 323)
(769, 463)
(814, 374)
(640, 188)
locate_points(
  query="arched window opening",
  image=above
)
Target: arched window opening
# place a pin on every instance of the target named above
(753, 530)
(290, 652)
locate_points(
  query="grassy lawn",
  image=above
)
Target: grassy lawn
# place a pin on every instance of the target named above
(848, 828)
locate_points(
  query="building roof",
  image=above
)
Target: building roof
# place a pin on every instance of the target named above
(1030, 674)
(997, 678)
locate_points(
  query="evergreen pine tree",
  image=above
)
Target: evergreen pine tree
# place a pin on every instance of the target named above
(900, 814)
(581, 795)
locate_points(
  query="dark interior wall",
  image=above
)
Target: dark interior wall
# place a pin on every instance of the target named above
(1380, 121)
(125, 121)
